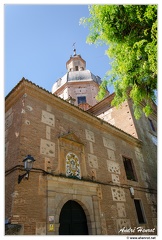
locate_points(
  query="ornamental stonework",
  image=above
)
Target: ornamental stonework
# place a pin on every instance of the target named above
(72, 166)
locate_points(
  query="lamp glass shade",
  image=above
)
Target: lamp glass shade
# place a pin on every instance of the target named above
(132, 191)
(28, 162)
(28, 165)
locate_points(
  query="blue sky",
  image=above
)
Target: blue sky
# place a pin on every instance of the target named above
(38, 42)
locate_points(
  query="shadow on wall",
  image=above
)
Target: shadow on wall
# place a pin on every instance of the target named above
(13, 229)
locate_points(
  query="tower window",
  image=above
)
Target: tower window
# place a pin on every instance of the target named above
(76, 68)
(81, 99)
(129, 169)
(139, 211)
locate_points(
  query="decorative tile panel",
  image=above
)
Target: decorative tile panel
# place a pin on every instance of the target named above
(72, 165)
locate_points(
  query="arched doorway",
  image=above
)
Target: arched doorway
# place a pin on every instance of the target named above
(72, 220)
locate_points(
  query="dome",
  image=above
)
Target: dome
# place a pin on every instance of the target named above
(82, 75)
(75, 76)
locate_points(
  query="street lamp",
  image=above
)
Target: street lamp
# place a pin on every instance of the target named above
(28, 164)
(131, 191)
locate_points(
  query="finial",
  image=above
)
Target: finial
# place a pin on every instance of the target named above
(74, 50)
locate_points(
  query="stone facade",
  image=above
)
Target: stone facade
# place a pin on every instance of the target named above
(78, 157)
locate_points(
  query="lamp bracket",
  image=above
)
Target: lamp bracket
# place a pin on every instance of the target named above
(25, 175)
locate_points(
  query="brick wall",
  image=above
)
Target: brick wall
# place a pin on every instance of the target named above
(13, 157)
(89, 89)
(46, 119)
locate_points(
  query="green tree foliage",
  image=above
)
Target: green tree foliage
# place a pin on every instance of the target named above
(130, 31)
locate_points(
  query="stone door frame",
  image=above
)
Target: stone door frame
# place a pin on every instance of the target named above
(88, 201)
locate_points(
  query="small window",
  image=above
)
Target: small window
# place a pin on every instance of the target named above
(129, 169)
(151, 124)
(139, 211)
(81, 100)
(76, 68)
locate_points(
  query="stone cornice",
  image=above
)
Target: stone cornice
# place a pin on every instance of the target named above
(25, 86)
(74, 82)
(100, 105)
(107, 100)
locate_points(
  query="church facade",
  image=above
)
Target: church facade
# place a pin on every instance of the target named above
(95, 166)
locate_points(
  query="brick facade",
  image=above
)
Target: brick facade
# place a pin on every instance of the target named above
(49, 128)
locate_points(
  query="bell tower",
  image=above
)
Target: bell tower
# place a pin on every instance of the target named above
(78, 86)
(75, 63)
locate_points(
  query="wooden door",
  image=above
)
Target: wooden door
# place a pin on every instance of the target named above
(72, 220)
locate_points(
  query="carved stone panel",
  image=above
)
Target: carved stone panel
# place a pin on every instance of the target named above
(48, 132)
(113, 167)
(111, 154)
(121, 210)
(108, 143)
(92, 160)
(48, 118)
(118, 194)
(115, 178)
(47, 148)
(123, 224)
(90, 135)
(71, 156)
